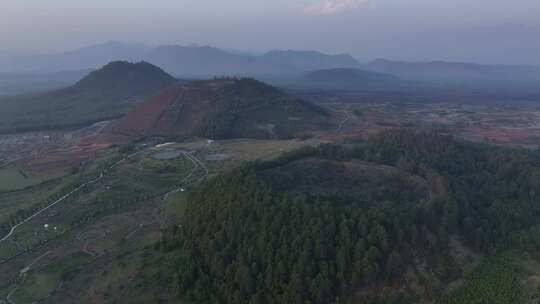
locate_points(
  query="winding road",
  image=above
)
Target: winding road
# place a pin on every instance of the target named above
(200, 163)
(346, 119)
(192, 158)
(5, 238)
(101, 175)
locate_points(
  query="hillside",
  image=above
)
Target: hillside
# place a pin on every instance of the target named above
(429, 206)
(220, 109)
(103, 94)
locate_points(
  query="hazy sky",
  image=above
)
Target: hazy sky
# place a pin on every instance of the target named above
(490, 31)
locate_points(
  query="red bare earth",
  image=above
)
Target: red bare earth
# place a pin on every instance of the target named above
(169, 113)
(222, 109)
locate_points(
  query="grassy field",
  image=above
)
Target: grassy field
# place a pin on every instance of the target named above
(495, 280)
(247, 150)
(40, 283)
(12, 201)
(14, 178)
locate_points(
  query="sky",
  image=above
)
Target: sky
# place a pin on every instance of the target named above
(484, 31)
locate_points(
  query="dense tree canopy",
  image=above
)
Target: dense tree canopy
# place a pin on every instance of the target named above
(244, 241)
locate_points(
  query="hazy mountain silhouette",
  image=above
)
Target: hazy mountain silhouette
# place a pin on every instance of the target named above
(308, 60)
(180, 60)
(456, 72)
(91, 57)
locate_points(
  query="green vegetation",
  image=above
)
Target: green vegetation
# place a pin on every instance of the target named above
(270, 247)
(252, 236)
(14, 179)
(284, 250)
(100, 223)
(127, 183)
(165, 166)
(12, 201)
(496, 280)
(39, 284)
(368, 222)
(491, 192)
(26, 211)
(250, 150)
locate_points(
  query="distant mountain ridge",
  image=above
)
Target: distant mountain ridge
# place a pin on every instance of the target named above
(205, 61)
(278, 67)
(442, 71)
(90, 57)
(307, 60)
(181, 60)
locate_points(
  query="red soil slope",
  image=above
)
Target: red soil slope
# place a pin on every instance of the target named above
(221, 109)
(168, 113)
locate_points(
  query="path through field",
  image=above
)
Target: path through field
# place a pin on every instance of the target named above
(5, 238)
(101, 175)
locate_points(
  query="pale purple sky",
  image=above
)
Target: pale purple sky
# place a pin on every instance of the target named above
(488, 31)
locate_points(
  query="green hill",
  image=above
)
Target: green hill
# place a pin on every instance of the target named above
(103, 94)
(276, 232)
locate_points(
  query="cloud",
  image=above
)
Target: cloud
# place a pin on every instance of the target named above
(329, 7)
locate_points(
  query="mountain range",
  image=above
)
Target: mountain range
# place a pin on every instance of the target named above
(180, 60)
(90, 57)
(205, 61)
